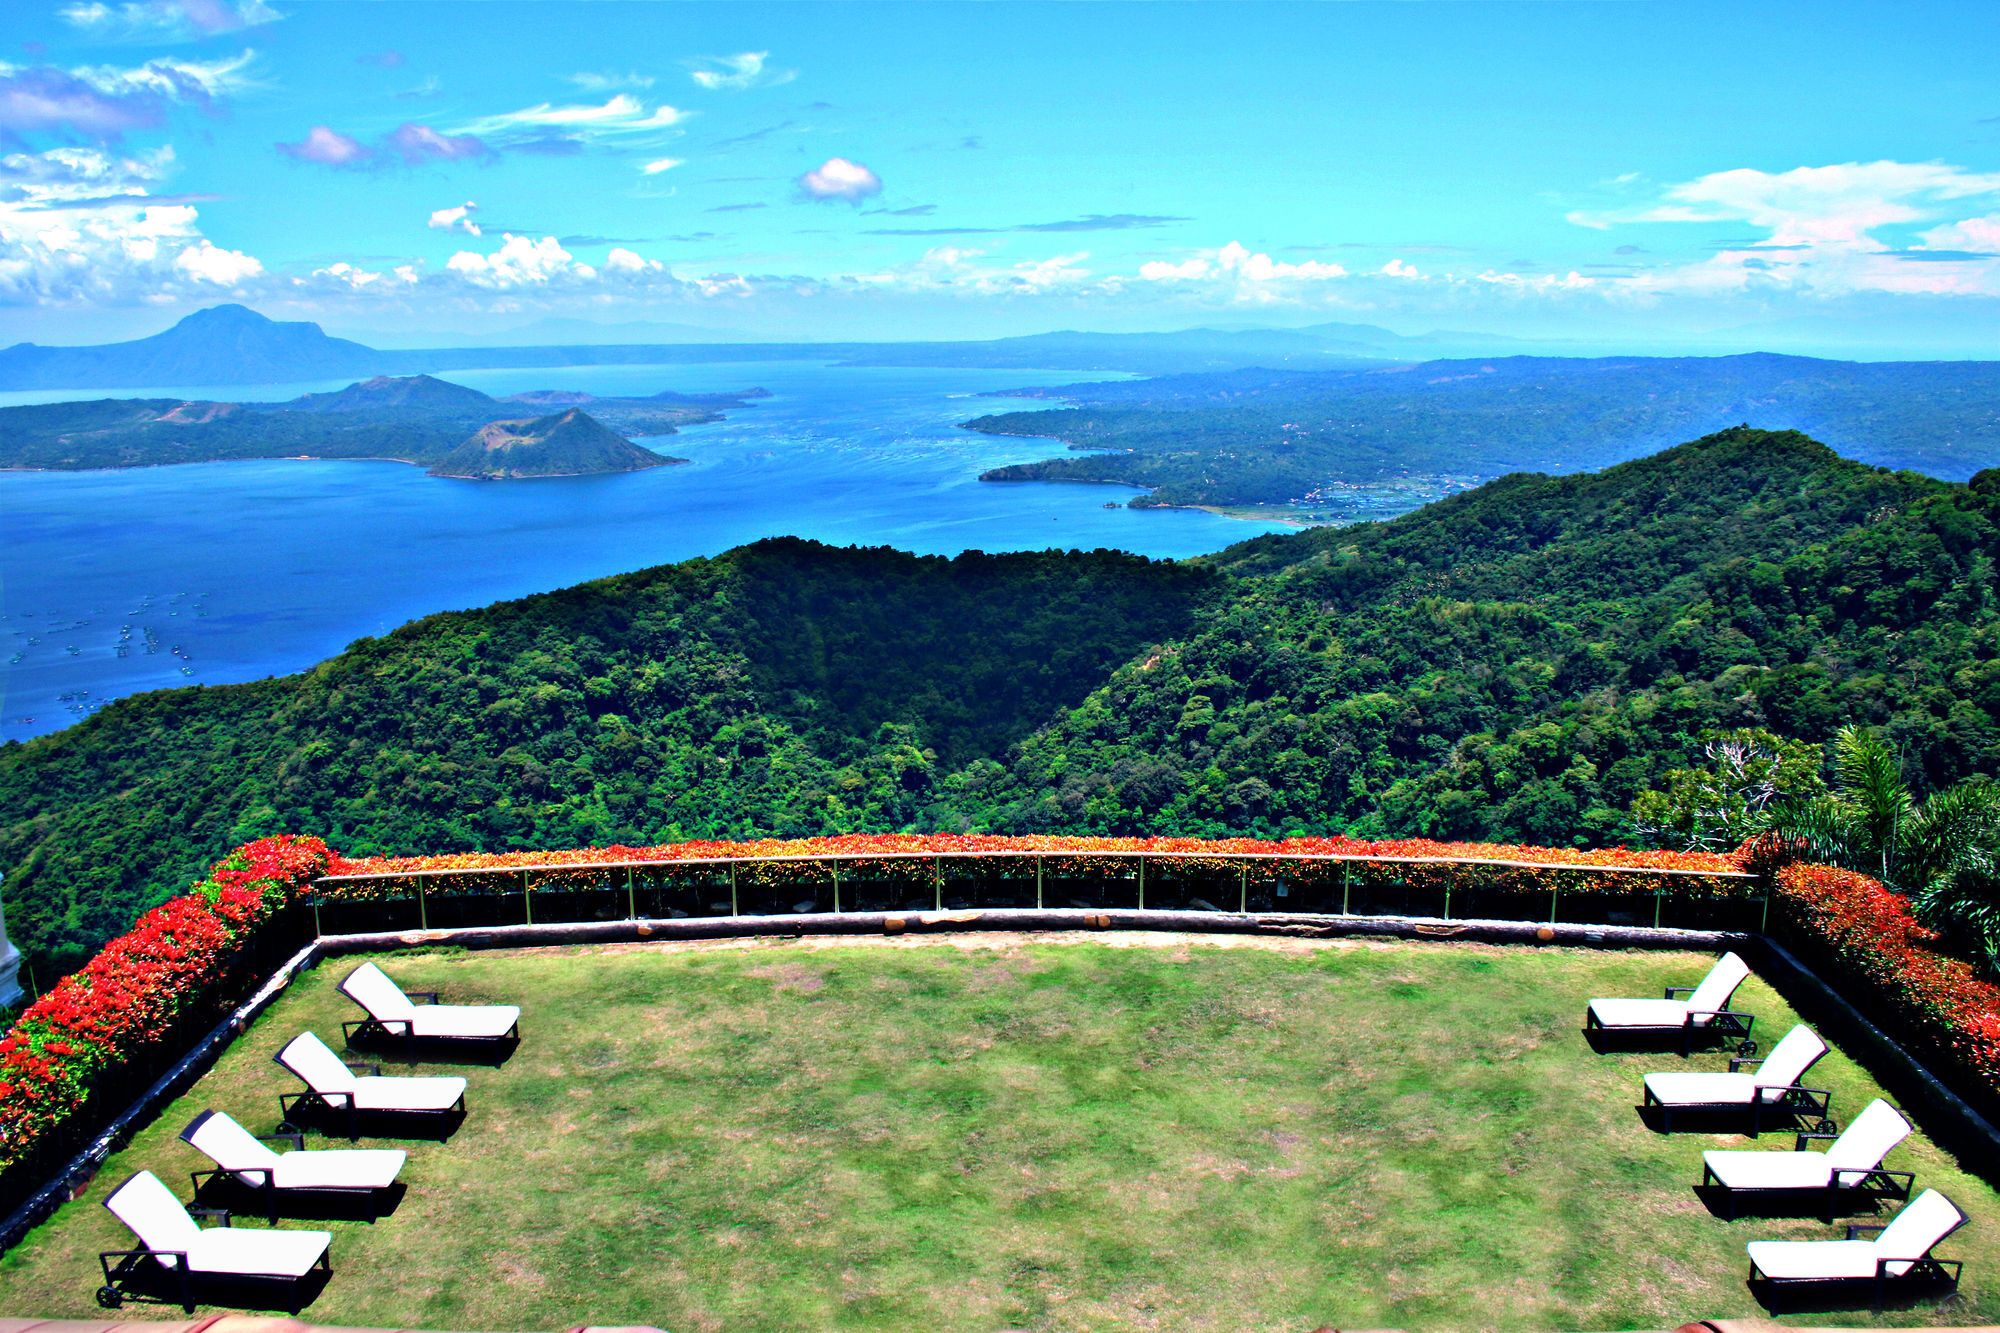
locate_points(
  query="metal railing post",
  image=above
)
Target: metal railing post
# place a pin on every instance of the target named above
(836, 886)
(1038, 884)
(1142, 881)
(631, 897)
(527, 898)
(423, 912)
(1346, 886)
(1764, 922)
(732, 890)
(1555, 892)
(1658, 896)
(937, 884)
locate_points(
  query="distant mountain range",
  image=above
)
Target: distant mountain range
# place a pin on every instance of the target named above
(232, 344)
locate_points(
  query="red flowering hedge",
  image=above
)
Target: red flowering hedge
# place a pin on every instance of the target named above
(126, 1001)
(1868, 937)
(1442, 864)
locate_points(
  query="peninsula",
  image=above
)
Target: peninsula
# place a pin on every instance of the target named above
(413, 419)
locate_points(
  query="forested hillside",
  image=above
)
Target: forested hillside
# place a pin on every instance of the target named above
(1274, 436)
(782, 687)
(1517, 662)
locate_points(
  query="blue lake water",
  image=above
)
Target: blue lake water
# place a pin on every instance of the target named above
(117, 582)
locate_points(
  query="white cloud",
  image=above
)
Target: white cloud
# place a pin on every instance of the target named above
(838, 178)
(610, 82)
(659, 165)
(1822, 226)
(457, 219)
(621, 117)
(80, 226)
(166, 19)
(1236, 266)
(207, 262)
(1396, 268)
(738, 72)
(519, 262)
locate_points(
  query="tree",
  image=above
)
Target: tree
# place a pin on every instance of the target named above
(1719, 805)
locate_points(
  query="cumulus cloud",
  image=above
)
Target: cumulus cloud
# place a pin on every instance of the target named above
(78, 226)
(457, 219)
(658, 165)
(738, 72)
(1237, 266)
(410, 144)
(167, 19)
(519, 262)
(1823, 226)
(838, 178)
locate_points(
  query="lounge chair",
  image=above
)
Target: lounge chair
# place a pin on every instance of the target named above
(1773, 1090)
(393, 1012)
(1853, 1161)
(1902, 1253)
(334, 1086)
(1705, 1013)
(243, 1157)
(175, 1244)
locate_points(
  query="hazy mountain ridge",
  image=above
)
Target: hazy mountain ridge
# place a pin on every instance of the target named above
(1271, 436)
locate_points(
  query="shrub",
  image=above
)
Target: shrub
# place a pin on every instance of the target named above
(1867, 935)
(125, 1007)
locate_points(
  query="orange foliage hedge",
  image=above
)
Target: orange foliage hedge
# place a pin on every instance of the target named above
(1868, 938)
(1456, 863)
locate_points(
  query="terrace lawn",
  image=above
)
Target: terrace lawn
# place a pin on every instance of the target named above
(1052, 1132)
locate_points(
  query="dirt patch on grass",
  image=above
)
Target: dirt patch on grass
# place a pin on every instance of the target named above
(791, 977)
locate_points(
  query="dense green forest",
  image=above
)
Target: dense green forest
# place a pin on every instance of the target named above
(1516, 662)
(1272, 437)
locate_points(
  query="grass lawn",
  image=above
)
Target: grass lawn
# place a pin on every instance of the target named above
(994, 1132)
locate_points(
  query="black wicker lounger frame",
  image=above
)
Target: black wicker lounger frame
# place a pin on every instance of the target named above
(1922, 1272)
(296, 1107)
(132, 1264)
(1796, 1102)
(1723, 1027)
(1874, 1183)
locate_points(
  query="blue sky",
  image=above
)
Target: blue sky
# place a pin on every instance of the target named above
(1629, 173)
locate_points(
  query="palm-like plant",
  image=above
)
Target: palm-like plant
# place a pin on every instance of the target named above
(1944, 853)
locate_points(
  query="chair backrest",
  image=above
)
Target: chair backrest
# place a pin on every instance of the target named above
(1789, 1060)
(228, 1144)
(1924, 1221)
(312, 1060)
(154, 1214)
(1868, 1138)
(1721, 982)
(369, 986)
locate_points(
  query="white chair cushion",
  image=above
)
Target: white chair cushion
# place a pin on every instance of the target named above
(1869, 1137)
(1721, 982)
(1791, 1057)
(229, 1145)
(1640, 1013)
(407, 1094)
(277, 1253)
(1923, 1222)
(1815, 1258)
(370, 987)
(312, 1060)
(1749, 1170)
(1703, 1089)
(465, 1020)
(156, 1217)
(340, 1168)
